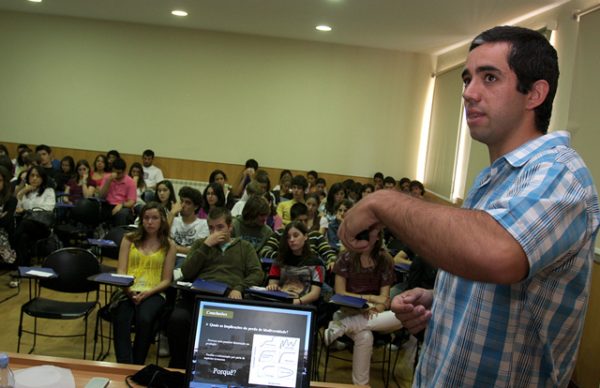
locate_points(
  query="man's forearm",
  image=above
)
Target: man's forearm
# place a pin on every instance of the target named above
(468, 243)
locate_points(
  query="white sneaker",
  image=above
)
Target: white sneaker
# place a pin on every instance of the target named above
(334, 331)
(163, 346)
(14, 283)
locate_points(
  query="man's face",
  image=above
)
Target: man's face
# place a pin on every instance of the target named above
(302, 218)
(298, 192)
(389, 186)
(378, 182)
(219, 226)
(416, 192)
(311, 180)
(187, 207)
(495, 110)
(45, 157)
(119, 174)
(147, 160)
(405, 187)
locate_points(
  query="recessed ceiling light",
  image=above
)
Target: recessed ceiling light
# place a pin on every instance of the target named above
(323, 28)
(179, 12)
(35, 1)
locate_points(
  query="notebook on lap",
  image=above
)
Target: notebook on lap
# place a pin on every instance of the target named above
(250, 343)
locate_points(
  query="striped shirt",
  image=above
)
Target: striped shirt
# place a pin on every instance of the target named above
(524, 334)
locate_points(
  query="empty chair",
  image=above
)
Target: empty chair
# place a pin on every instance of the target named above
(72, 266)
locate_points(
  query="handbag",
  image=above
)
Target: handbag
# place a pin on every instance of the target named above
(40, 216)
(7, 254)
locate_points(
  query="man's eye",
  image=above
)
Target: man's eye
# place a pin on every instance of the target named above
(466, 81)
(490, 78)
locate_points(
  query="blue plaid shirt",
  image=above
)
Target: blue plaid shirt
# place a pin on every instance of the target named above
(524, 334)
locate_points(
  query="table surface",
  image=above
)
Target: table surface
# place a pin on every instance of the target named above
(84, 370)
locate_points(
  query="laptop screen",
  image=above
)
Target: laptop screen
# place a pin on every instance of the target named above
(249, 343)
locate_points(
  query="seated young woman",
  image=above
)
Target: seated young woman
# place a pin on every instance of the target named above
(100, 170)
(8, 204)
(297, 270)
(220, 177)
(149, 255)
(212, 197)
(368, 275)
(34, 195)
(165, 195)
(81, 185)
(67, 171)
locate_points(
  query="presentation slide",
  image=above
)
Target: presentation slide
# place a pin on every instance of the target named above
(249, 346)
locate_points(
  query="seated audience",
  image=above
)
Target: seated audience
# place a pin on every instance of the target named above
(187, 228)
(404, 185)
(213, 197)
(8, 205)
(246, 176)
(273, 220)
(81, 185)
(220, 177)
(253, 188)
(136, 173)
(152, 174)
(378, 181)
(335, 195)
(314, 220)
(366, 275)
(332, 227)
(218, 257)
(165, 195)
(48, 163)
(297, 270)
(111, 156)
(100, 171)
(148, 255)
(283, 191)
(66, 172)
(367, 189)
(25, 159)
(299, 185)
(251, 225)
(120, 193)
(311, 178)
(321, 186)
(318, 243)
(417, 189)
(36, 194)
(389, 183)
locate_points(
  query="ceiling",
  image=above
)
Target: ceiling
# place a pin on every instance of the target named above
(423, 26)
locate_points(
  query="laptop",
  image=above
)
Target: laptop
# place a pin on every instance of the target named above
(250, 343)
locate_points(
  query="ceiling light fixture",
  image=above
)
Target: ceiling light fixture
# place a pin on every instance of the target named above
(323, 28)
(179, 12)
(35, 1)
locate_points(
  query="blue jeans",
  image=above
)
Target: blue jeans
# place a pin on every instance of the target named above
(145, 317)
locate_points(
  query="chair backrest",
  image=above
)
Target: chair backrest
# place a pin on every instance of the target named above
(73, 266)
(86, 211)
(115, 234)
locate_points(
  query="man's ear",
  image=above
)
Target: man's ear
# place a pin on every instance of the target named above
(538, 93)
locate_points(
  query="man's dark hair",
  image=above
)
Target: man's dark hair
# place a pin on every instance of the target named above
(43, 147)
(389, 179)
(252, 163)
(313, 173)
(255, 206)
(404, 180)
(284, 172)
(532, 58)
(217, 212)
(298, 209)
(300, 181)
(119, 164)
(419, 185)
(192, 194)
(378, 175)
(321, 181)
(113, 152)
(148, 153)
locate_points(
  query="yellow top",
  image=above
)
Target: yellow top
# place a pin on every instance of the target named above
(147, 269)
(284, 209)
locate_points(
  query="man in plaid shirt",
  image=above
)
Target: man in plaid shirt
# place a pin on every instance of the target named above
(510, 297)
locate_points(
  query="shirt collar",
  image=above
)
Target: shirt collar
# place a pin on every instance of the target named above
(521, 155)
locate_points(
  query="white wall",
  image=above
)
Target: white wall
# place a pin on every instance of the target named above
(209, 96)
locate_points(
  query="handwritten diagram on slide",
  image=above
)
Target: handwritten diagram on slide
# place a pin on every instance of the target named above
(274, 360)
